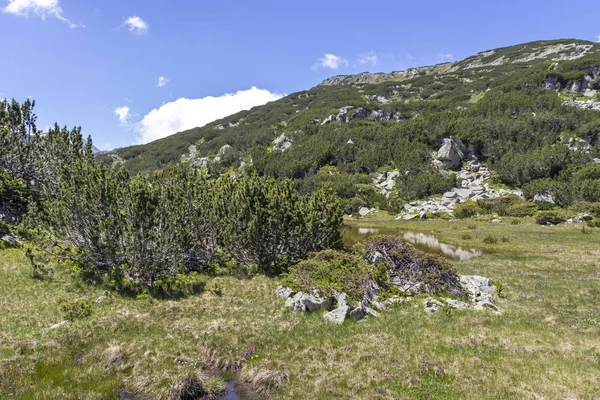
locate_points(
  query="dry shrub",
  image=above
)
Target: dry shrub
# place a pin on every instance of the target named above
(214, 359)
(115, 358)
(412, 270)
(264, 381)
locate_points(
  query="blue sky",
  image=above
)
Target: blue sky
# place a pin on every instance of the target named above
(98, 63)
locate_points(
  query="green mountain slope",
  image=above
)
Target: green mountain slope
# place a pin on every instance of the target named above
(511, 106)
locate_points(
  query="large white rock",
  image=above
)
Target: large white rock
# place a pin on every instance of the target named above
(338, 315)
(451, 153)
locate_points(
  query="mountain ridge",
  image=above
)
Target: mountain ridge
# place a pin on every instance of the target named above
(529, 112)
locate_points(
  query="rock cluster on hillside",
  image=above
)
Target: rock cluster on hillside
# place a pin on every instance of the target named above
(282, 143)
(472, 183)
(350, 113)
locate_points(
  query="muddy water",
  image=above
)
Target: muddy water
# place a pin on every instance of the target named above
(422, 241)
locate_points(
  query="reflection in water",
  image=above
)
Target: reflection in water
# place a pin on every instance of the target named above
(424, 242)
(366, 231)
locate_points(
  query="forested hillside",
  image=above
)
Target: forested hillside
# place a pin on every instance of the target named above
(530, 111)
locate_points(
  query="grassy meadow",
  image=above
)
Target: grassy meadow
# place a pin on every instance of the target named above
(544, 344)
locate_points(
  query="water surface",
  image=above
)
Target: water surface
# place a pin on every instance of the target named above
(422, 241)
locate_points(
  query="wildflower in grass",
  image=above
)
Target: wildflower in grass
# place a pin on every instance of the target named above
(425, 364)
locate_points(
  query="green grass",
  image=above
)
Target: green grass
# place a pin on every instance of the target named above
(544, 344)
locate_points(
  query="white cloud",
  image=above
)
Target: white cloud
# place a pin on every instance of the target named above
(137, 25)
(42, 8)
(330, 61)
(368, 58)
(183, 113)
(445, 57)
(124, 114)
(598, 38)
(162, 81)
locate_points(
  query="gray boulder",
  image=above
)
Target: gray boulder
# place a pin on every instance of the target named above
(458, 305)
(451, 153)
(10, 239)
(314, 302)
(295, 303)
(544, 198)
(200, 162)
(432, 305)
(357, 313)
(342, 299)
(283, 291)
(450, 195)
(223, 149)
(551, 83)
(364, 211)
(579, 85)
(358, 115)
(282, 143)
(384, 115)
(477, 284)
(7, 215)
(337, 316)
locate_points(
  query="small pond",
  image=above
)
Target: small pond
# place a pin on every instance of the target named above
(422, 241)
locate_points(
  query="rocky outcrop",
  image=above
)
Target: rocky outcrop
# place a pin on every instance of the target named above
(8, 215)
(580, 85)
(480, 291)
(479, 296)
(578, 144)
(227, 125)
(584, 104)
(10, 240)
(376, 97)
(364, 211)
(350, 114)
(452, 153)
(345, 115)
(552, 83)
(568, 51)
(200, 162)
(358, 115)
(386, 115)
(386, 181)
(338, 315)
(223, 149)
(301, 302)
(282, 143)
(545, 197)
(471, 184)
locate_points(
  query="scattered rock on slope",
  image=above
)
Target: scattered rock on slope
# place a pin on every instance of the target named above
(452, 153)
